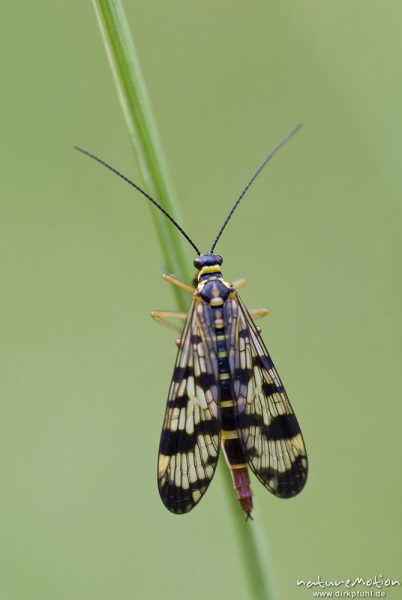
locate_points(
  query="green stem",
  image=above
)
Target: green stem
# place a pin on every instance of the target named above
(143, 134)
(252, 545)
(150, 157)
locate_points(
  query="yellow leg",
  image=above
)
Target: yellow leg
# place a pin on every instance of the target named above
(168, 314)
(258, 313)
(161, 317)
(180, 284)
(238, 283)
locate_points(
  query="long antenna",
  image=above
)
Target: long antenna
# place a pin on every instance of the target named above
(258, 171)
(143, 192)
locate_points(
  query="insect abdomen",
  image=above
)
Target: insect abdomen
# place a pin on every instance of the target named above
(230, 442)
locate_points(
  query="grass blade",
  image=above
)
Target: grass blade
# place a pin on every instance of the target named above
(143, 134)
(151, 162)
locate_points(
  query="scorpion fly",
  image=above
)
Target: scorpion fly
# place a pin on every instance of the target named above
(225, 390)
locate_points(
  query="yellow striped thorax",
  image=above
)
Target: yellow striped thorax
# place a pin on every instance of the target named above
(211, 286)
(208, 264)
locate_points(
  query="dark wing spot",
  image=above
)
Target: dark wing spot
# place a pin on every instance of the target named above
(206, 380)
(178, 402)
(282, 427)
(269, 389)
(246, 420)
(178, 500)
(262, 361)
(181, 373)
(286, 484)
(173, 442)
(242, 376)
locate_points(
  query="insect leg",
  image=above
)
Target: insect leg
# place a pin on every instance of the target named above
(161, 317)
(238, 283)
(258, 313)
(180, 284)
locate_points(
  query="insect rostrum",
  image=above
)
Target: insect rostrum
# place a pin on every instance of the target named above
(225, 393)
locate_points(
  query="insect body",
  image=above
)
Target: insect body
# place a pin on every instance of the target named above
(225, 393)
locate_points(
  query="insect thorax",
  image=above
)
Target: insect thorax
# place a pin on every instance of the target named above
(212, 288)
(210, 284)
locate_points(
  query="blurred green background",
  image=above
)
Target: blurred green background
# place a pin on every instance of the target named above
(85, 371)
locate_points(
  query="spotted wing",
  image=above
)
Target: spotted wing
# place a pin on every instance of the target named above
(189, 446)
(267, 426)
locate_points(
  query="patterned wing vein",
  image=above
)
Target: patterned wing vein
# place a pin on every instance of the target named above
(189, 445)
(267, 426)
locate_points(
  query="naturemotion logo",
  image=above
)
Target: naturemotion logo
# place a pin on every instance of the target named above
(373, 587)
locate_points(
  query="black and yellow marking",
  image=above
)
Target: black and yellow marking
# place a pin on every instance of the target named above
(225, 391)
(224, 386)
(267, 426)
(216, 293)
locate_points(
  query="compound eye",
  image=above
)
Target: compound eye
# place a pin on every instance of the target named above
(197, 263)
